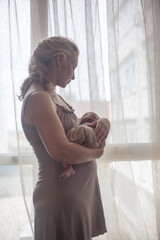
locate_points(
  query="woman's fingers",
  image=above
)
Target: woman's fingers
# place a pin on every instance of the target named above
(89, 116)
(92, 125)
(87, 119)
(102, 144)
(100, 135)
(103, 137)
(101, 125)
(101, 130)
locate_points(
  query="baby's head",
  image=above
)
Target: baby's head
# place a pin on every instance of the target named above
(84, 135)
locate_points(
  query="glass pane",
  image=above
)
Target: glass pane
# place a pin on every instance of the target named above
(13, 218)
(127, 193)
(125, 81)
(129, 90)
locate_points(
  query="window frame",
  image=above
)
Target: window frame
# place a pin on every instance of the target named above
(112, 153)
(21, 160)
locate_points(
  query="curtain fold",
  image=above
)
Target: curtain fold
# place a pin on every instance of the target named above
(39, 21)
(152, 36)
(14, 101)
(15, 195)
(133, 38)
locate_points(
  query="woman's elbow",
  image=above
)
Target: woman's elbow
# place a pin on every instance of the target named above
(62, 154)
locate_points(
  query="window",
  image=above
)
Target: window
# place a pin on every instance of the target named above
(132, 136)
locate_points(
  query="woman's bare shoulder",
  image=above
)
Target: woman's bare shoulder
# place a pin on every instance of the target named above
(39, 96)
(38, 103)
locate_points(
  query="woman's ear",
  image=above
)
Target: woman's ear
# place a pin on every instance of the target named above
(59, 60)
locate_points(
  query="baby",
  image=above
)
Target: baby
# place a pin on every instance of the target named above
(81, 134)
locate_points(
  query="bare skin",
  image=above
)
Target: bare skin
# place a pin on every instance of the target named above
(94, 119)
(53, 135)
(101, 125)
(41, 113)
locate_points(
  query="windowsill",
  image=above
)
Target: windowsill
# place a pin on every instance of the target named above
(13, 159)
(130, 152)
(112, 153)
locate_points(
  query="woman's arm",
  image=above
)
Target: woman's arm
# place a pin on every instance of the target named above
(42, 113)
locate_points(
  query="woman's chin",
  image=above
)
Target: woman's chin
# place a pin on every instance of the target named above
(64, 84)
(67, 83)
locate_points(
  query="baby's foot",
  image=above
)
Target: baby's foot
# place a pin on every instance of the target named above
(69, 171)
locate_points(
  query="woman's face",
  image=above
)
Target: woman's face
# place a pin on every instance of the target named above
(66, 72)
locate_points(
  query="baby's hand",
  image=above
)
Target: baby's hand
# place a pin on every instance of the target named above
(89, 117)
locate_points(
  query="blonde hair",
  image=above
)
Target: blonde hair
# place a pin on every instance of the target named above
(41, 58)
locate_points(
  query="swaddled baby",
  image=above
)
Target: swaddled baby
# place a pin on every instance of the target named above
(81, 134)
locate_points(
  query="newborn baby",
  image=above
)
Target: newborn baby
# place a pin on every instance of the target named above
(81, 134)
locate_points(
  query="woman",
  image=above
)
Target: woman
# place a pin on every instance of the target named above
(72, 209)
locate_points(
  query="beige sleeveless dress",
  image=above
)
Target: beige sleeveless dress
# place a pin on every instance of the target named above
(68, 210)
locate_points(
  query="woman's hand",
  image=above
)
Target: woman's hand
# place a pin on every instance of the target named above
(89, 117)
(102, 127)
(102, 145)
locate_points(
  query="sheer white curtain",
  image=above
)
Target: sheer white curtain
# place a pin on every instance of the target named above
(117, 77)
(134, 57)
(14, 55)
